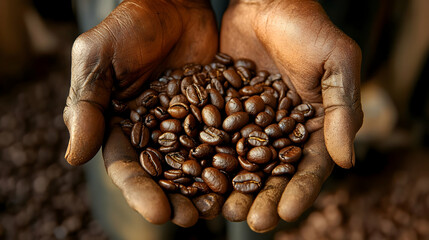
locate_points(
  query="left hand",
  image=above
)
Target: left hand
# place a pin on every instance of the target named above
(322, 64)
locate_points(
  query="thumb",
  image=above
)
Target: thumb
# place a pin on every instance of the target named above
(341, 101)
(89, 96)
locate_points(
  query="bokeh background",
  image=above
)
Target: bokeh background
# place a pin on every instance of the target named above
(386, 196)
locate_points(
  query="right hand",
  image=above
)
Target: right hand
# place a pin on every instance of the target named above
(136, 42)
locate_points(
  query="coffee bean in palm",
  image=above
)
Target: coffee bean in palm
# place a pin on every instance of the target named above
(188, 191)
(197, 95)
(148, 98)
(247, 63)
(290, 154)
(161, 113)
(287, 124)
(186, 82)
(139, 135)
(226, 149)
(225, 161)
(201, 186)
(202, 151)
(151, 163)
(164, 100)
(263, 119)
(155, 135)
(176, 74)
(242, 147)
(299, 134)
(247, 165)
(126, 126)
(212, 136)
(245, 74)
(168, 185)
(235, 137)
(183, 180)
(298, 117)
(216, 180)
(235, 121)
(269, 99)
(171, 125)
(196, 112)
(223, 59)
(175, 159)
(296, 99)
(187, 141)
(208, 205)
(268, 168)
(280, 114)
(135, 117)
(247, 182)
(173, 87)
(283, 169)
(191, 69)
(167, 139)
(258, 138)
(178, 99)
(173, 174)
(306, 109)
(216, 98)
(254, 105)
(150, 121)
(273, 131)
(191, 167)
(232, 77)
(251, 90)
(119, 106)
(233, 105)
(285, 104)
(211, 116)
(259, 155)
(178, 110)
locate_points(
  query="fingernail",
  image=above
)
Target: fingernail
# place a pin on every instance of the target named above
(67, 151)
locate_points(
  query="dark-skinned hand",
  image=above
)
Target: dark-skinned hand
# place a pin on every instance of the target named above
(322, 64)
(137, 41)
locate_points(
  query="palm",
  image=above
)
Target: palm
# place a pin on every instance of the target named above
(296, 39)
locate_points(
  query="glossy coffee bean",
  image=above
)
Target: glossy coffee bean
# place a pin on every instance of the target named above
(290, 154)
(175, 159)
(197, 95)
(151, 163)
(223, 59)
(167, 139)
(235, 137)
(191, 167)
(258, 138)
(190, 125)
(281, 143)
(216, 84)
(186, 82)
(225, 161)
(183, 180)
(269, 167)
(273, 131)
(171, 125)
(191, 69)
(259, 155)
(299, 134)
(242, 147)
(135, 117)
(187, 141)
(226, 149)
(306, 109)
(168, 185)
(150, 121)
(233, 105)
(201, 186)
(155, 135)
(188, 191)
(247, 182)
(285, 104)
(256, 80)
(245, 74)
(298, 117)
(263, 119)
(254, 105)
(148, 98)
(246, 130)
(169, 149)
(251, 90)
(235, 121)
(287, 124)
(173, 87)
(211, 116)
(208, 205)
(177, 74)
(197, 113)
(127, 126)
(216, 180)
(280, 114)
(212, 136)
(232, 77)
(216, 98)
(173, 174)
(159, 86)
(296, 99)
(164, 100)
(178, 110)
(247, 165)
(202, 151)
(269, 99)
(119, 106)
(178, 99)
(139, 135)
(283, 169)
(161, 113)
(247, 63)
(200, 78)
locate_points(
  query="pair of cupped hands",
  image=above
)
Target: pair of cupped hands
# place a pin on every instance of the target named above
(141, 38)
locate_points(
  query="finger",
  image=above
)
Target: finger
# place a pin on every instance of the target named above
(341, 100)
(305, 185)
(89, 95)
(184, 213)
(208, 205)
(237, 206)
(141, 192)
(263, 214)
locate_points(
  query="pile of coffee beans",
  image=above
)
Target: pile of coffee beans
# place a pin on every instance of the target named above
(214, 128)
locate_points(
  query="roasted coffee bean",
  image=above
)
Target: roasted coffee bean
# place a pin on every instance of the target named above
(254, 105)
(273, 131)
(151, 163)
(251, 90)
(246, 130)
(247, 182)
(155, 135)
(178, 99)
(216, 84)
(168, 185)
(188, 191)
(191, 69)
(200, 78)
(263, 73)
(216, 180)
(245, 74)
(141, 110)
(298, 117)
(273, 153)
(148, 98)
(258, 138)
(186, 82)
(306, 109)
(159, 86)
(173, 174)
(233, 105)
(232, 77)
(187, 141)
(280, 87)
(235, 121)
(171, 125)
(169, 149)
(226, 149)
(223, 59)
(202, 151)
(242, 147)
(175, 159)
(150, 121)
(139, 135)
(167, 139)
(173, 87)
(135, 117)
(270, 111)
(280, 114)
(296, 99)
(204, 163)
(263, 119)
(299, 134)
(216, 98)
(282, 169)
(190, 126)
(256, 80)
(183, 180)
(201, 186)
(178, 110)
(246, 165)
(232, 93)
(212, 136)
(164, 100)
(290, 154)
(208, 205)
(197, 95)
(119, 107)
(197, 113)
(225, 161)
(161, 113)
(211, 116)
(259, 155)
(235, 137)
(285, 104)
(281, 143)
(247, 63)
(177, 74)
(287, 124)
(126, 126)
(269, 167)
(191, 167)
